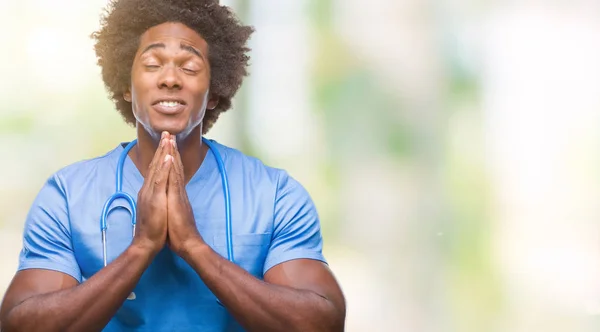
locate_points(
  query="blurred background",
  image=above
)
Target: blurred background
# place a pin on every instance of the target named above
(451, 147)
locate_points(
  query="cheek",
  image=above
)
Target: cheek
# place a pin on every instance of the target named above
(142, 82)
(200, 92)
(201, 101)
(140, 95)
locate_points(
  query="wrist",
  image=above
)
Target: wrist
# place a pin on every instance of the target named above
(193, 247)
(144, 247)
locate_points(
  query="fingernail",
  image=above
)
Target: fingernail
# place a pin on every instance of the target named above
(173, 143)
(164, 134)
(168, 157)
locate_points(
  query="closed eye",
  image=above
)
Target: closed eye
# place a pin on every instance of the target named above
(189, 71)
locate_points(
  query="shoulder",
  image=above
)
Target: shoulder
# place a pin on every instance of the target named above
(283, 187)
(84, 171)
(58, 192)
(249, 167)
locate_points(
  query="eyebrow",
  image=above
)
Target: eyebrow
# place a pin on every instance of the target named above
(182, 46)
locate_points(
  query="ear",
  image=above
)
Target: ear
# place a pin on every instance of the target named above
(213, 101)
(127, 96)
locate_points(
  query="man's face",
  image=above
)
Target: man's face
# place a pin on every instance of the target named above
(170, 80)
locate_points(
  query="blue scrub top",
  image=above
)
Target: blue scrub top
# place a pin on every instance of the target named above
(273, 217)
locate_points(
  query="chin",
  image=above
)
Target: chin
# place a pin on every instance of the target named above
(178, 126)
(180, 132)
(173, 127)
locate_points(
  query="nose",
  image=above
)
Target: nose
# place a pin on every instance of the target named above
(169, 78)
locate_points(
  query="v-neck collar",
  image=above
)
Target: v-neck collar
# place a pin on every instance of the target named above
(133, 176)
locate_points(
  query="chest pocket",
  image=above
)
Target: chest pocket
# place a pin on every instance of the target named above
(249, 250)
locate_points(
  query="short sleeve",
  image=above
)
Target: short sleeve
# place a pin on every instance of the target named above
(46, 238)
(297, 229)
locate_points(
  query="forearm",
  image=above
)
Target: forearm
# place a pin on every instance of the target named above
(260, 306)
(86, 307)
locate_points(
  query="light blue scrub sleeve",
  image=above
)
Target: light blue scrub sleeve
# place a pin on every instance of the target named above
(46, 238)
(297, 230)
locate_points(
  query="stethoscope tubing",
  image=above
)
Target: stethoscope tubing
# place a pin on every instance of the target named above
(119, 193)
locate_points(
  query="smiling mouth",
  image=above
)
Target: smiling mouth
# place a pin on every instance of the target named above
(169, 106)
(169, 103)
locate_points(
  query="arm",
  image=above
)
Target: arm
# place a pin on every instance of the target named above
(299, 292)
(298, 295)
(45, 300)
(45, 295)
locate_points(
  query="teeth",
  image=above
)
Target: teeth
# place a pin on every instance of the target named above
(169, 103)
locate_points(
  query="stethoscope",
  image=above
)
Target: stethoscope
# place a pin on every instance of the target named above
(121, 194)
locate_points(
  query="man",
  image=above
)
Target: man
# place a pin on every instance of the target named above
(171, 68)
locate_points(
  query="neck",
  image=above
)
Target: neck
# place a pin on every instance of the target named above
(191, 150)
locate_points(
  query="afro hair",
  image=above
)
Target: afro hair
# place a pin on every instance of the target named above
(124, 22)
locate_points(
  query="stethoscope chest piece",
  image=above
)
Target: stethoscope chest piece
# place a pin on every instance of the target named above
(131, 296)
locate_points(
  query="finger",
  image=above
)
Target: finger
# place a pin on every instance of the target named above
(159, 181)
(159, 176)
(159, 156)
(158, 151)
(157, 161)
(178, 164)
